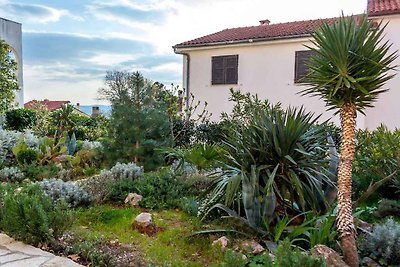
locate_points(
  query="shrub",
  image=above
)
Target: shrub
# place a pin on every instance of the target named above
(72, 194)
(91, 145)
(122, 171)
(161, 190)
(66, 175)
(38, 173)
(27, 156)
(388, 207)
(120, 189)
(285, 256)
(11, 174)
(8, 140)
(383, 244)
(20, 119)
(30, 216)
(378, 155)
(100, 185)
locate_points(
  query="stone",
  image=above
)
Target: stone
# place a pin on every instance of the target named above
(222, 242)
(332, 258)
(60, 262)
(133, 199)
(370, 262)
(12, 257)
(252, 247)
(144, 224)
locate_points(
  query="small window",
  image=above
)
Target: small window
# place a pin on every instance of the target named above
(225, 69)
(301, 70)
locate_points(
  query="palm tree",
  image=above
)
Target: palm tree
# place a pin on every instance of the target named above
(349, 69)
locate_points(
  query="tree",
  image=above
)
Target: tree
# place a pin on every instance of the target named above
(349, 70)
(8, 77)
(139, 122)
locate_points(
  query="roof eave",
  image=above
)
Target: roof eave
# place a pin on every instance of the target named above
(246, 41)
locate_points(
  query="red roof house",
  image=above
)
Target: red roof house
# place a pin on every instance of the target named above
(51, 105)
(269, 60)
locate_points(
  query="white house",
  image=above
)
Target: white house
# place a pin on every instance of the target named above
(267, 59)
(11, 33)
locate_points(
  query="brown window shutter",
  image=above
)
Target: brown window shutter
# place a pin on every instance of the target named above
(301, 61)
(225, 69)
(217, 70)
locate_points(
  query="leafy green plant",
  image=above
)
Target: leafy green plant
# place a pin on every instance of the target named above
(119, 190)
(203, 156)
(30, 216)
(88, 252)
(378, 156)
(38, 173)
(20, 119)
(161, 190)
(51, 148)
(286, 256)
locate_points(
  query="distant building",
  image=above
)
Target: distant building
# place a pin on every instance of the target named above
(53, 105)
(11, 33)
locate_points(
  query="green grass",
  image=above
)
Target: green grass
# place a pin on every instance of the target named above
(170, 247)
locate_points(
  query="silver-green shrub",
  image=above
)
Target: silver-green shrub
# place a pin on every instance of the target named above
(71, 193)
(11, 174)
(10, 139)
(99, 185)
(383, 243)
(122, 171)
(90, 145)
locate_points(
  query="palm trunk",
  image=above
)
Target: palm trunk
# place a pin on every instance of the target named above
(345, 221)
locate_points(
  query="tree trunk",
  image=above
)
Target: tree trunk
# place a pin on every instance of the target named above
(345, 221)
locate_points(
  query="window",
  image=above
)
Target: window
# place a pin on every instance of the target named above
(225, 69)
(301, 70)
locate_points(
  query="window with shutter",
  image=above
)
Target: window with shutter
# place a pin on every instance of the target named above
(301, 70)
(224, 69)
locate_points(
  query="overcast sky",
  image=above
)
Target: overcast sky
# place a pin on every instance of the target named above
(70, 44)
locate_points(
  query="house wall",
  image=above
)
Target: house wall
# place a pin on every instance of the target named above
(11, 33)
(387, 108)
(267, 69)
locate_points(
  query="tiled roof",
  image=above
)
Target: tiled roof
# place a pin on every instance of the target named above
(51, 105)
(259, 33)
(383, 7)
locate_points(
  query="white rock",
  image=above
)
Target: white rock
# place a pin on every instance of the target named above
(133, 199)
(222, 242)
(253, 247)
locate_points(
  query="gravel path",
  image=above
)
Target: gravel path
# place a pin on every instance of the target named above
(17, 254)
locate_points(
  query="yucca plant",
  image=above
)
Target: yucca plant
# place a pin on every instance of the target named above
(277, 162)
(349, 70)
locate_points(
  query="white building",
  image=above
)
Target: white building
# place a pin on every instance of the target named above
(267, 59)
(11, 33)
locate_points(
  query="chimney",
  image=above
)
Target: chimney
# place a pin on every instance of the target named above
(264, 22)
(78, 106)
(95, 111)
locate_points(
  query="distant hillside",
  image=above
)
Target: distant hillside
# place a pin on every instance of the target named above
(104, 109)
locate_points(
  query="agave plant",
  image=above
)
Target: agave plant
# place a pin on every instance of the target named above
(350, 67)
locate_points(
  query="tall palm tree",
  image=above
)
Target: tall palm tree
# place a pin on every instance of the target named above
(349, 69)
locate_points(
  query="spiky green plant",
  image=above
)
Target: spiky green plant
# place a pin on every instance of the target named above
(350, 67)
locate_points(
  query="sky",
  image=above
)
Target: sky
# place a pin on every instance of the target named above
(69, 45)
